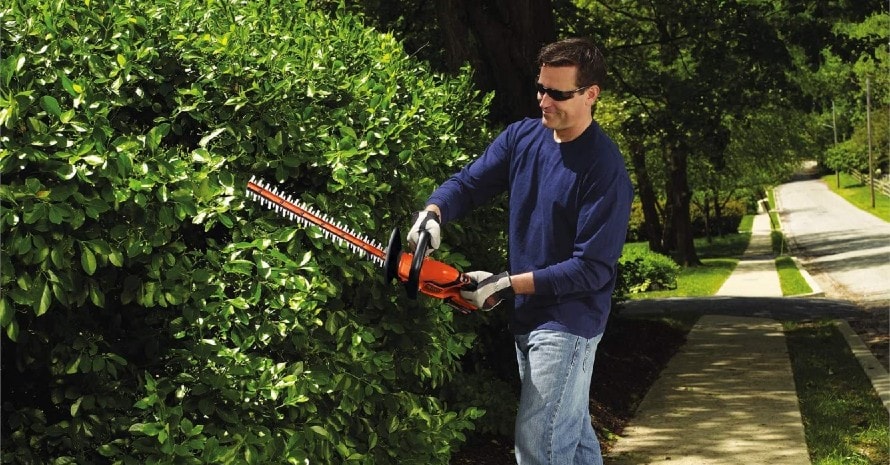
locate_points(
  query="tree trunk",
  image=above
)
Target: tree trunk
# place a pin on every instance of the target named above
(648, 198)
(501, 39)
(680, 197)
(668, 235)
(706, 213)
(455, 34)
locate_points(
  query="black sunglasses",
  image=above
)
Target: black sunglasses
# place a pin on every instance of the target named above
(558, 95)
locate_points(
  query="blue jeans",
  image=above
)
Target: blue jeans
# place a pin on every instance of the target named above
(553, 425)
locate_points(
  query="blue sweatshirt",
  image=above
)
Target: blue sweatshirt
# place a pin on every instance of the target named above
(569, 207)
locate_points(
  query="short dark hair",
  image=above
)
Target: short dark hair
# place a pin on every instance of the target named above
(576, 52)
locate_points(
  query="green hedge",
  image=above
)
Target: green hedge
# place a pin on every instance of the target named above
(151, 313)
(641, 270)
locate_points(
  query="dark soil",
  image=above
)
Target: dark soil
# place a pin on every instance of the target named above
(630, 356)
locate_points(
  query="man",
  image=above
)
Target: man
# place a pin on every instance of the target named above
(569, 204)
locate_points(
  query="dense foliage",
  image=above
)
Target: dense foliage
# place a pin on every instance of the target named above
(704, 223)
(151, 313)
(851, 85)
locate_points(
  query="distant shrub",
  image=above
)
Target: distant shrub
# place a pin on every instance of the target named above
(730, 217)
(728, 223)
(642, 270)
(635, 231)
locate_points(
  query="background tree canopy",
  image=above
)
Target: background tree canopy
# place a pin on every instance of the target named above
(151, 314)
(691, 85)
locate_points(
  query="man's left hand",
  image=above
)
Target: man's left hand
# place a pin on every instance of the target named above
(491, 289)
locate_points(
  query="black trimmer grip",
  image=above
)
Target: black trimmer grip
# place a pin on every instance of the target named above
(413, 282)
(393, 255)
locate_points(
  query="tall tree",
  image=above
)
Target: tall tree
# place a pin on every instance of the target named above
(686, 68)
(499, 39)
(507, 35)
(840, 81)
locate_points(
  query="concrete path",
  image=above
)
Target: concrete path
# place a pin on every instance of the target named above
(727, 397)
(755, 275)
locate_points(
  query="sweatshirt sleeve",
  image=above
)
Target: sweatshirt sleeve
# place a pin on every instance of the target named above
(476, 183)
(598, 241)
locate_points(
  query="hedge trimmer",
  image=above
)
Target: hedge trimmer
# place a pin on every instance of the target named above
(416, 271)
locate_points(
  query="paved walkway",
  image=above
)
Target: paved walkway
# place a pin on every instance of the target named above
(728, 396)
(755, 275)
(847, 249)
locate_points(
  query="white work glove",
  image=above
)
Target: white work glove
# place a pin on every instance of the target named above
(426, 221)
(491, 289)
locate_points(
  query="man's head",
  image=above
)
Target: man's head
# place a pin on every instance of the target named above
(571, 74)
(580, 53)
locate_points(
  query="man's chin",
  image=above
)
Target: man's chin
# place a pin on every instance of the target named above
(548, 122)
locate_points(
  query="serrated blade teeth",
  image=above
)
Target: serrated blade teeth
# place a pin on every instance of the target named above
(335, 231)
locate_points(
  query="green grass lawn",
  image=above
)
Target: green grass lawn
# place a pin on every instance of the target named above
(719, 257)
(859, 195)
(697, 281)
(747, 224)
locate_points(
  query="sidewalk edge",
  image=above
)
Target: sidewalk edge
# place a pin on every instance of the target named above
(877, 374)
(816, 288)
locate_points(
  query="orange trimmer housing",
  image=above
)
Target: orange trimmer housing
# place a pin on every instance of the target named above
(421, 273)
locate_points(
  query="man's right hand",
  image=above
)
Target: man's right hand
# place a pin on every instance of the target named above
(428, 221)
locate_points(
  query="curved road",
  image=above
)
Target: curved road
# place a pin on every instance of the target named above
(846, 250)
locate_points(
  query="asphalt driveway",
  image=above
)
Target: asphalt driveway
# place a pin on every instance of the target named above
(845, 249)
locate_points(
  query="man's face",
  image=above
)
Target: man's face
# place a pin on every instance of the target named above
(568, 117)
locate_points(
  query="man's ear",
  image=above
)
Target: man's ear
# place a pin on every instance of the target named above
(593, 93)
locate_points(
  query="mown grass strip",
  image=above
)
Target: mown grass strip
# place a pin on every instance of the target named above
(790, 279)
(845, 421)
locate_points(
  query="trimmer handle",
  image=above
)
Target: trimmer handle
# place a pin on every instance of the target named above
(413, 282)
(430, 277)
